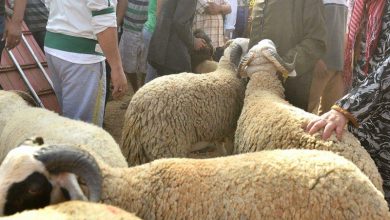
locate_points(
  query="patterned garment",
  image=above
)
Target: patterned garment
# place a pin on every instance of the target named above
(369, 102)
(136, 15)
(212, 25)
(36, 15)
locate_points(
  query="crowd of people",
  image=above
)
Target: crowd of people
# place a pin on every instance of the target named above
(340, 49)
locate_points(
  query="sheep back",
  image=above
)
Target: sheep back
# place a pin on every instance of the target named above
(55, 129)
(278, 184)
(171, 113)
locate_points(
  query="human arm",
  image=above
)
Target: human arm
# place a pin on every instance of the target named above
(121, 9)
(182, 23)
(358, 104)
(104, 27)
(312, 46)
(13, 27)
(216, 9)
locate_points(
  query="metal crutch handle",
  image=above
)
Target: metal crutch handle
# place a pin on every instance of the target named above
(37, 60)
(25, 80)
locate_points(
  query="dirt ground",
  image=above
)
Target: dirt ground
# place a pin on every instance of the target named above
(113, 118)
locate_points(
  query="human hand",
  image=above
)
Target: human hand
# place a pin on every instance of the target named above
(213, 8)
(330, 121)
(12, 33)
(320, 68)
(119, 83)
(199, 43)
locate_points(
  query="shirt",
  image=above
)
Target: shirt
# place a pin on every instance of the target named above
(136, 15)
(212, 25)
(36, 15)
(150, 24)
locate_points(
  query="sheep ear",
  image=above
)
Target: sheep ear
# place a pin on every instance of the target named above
(33, 141)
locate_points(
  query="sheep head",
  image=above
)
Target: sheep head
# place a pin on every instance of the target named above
(33, 176)
(235, 49)
(205, 53)
(264, 57)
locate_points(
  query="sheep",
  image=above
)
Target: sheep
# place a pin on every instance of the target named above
(267, 121)
(278, 184)
(74, 210)
(202, 60)
(18, 121)
(206, 66)
(181, 114)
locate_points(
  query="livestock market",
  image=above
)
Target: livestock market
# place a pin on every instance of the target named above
(194, 109)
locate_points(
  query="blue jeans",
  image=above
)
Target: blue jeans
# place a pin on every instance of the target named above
(151, 73)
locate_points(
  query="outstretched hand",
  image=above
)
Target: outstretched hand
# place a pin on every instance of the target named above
(330, 121)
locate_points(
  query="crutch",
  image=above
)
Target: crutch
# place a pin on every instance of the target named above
(37, 60)
(25, 80)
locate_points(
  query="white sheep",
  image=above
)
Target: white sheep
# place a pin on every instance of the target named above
(206, 66)
(279, 184)
(74, 210)
(19, 121)
(267, 121)
(177, 115)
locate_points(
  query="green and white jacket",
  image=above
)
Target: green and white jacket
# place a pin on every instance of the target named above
(72, 28)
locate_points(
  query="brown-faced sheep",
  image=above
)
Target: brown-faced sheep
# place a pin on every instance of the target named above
(202, 60)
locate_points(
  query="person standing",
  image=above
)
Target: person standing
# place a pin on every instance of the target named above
(230, 20)
(328, 84)
(365, 109)
(209, 18)
(35, 16)
(147, 32)
(131, 45)
(297, 27)
(172, 40)
(75, 47)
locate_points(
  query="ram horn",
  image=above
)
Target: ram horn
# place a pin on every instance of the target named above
(61, 158)
(278, 61)
(236, 51)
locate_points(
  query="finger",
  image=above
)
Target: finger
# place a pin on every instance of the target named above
(311, 123)
(317, 126)
(339, 131)
(329, 128)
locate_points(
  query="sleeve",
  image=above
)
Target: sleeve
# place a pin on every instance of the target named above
(103, 14)
(201, 6)
(182, 21)
(362, 100)
(313, 45)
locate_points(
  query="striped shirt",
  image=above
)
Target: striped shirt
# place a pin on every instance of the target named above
(136, 15)
(36, 15)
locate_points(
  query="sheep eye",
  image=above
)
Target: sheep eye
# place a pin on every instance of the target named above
(34, 191)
